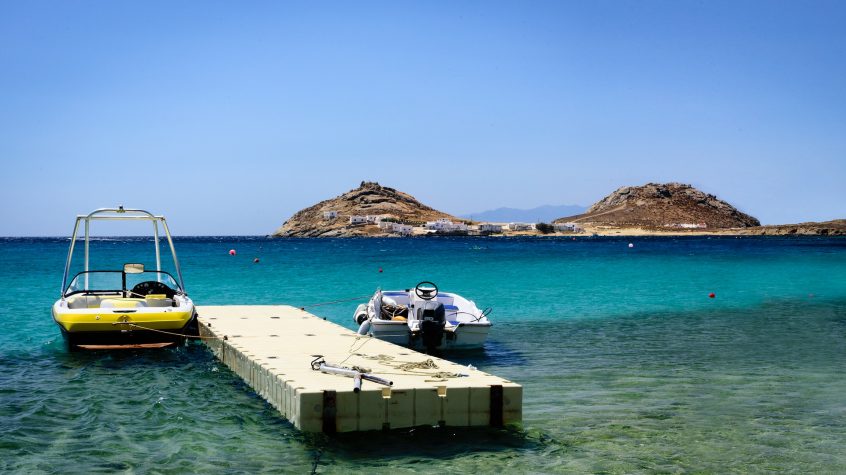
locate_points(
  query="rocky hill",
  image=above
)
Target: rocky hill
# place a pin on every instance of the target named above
(369, 198)
(663, 205)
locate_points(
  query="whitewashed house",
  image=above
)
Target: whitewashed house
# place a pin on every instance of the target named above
(375, 218)
(442, 224)
(687, 225)
(327, 215)
(567, 227)
(355, 220)
(490, 228)
(445, 225)
(404, 229)
(521, 226)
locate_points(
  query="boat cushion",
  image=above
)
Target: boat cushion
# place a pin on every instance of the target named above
(123, 303)
(158, 300)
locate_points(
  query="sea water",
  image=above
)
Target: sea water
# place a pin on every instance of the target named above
(627, 364)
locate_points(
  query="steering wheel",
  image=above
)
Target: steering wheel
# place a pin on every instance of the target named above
(426, 294)
(152, 287)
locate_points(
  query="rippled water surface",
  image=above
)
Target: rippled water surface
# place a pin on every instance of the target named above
(627, 364)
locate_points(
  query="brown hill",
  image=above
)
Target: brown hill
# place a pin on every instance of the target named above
(369, 198)
(663, 205)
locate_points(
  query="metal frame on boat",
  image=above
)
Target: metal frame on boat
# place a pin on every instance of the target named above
(153, 313)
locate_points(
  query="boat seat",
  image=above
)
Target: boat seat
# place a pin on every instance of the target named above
(123, 303)
(158, 300)
(85, 301)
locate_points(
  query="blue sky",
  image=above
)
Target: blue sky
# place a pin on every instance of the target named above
(227, 117)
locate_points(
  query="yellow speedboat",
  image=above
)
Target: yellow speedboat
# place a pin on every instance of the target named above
(131, 307)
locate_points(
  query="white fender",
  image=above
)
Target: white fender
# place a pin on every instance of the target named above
(364, 328)
(360, 311)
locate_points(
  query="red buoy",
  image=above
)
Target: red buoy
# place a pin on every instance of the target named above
(256, 260)
(380, 270)
(232, 252)
(712, 295)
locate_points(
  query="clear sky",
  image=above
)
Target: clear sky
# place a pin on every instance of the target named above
(227, 117)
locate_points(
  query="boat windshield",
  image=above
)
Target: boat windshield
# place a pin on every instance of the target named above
(107, 281)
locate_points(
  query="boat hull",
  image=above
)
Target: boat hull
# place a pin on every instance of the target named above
(102, 328)
(467, 337)
(462, 337)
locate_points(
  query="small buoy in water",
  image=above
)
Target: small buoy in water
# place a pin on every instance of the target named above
(631, 245)
(712, 295)
(232, 252)
(380, 270)
(256, 260)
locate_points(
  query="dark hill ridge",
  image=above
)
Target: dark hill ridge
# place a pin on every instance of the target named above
(835, 227)
(369, 198)
(661, 205)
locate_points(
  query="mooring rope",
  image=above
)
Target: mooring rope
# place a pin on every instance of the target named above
(354, 351)
(330, 302)
(170, 333)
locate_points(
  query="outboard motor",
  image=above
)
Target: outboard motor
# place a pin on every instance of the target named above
(432, 317)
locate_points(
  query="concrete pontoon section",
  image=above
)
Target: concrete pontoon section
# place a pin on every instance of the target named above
(272, 348)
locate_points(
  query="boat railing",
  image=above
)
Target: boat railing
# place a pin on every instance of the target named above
(121, 214)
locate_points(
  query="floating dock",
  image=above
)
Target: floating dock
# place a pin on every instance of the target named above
(272, 348)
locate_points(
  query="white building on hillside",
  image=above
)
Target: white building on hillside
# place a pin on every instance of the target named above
(375, 218)
(330, 215)
(445, 225)
(358, 220)
(441, 224)
(404, 229)
(568, 227)
(490, 228)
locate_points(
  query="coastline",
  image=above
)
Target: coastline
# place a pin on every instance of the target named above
(831, 228)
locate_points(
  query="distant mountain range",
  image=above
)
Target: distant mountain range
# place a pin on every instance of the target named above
(546, 214)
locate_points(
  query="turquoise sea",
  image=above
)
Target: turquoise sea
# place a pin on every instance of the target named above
(627, 364)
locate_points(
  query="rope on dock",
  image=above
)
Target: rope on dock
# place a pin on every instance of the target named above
(334, 301)
(409, 367)
(170, 333)
(406, 367)
(354, 351)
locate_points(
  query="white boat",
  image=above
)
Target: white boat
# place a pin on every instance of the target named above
(424, 318)
(129, 307)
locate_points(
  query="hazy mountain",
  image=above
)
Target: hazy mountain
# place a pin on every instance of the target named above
(545, 213)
